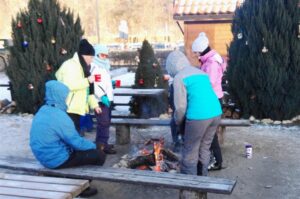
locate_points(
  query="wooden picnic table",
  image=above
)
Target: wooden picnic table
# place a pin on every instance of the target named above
(137, 92)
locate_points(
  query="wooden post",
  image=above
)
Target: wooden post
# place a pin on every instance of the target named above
(122, 134)
(184, 194)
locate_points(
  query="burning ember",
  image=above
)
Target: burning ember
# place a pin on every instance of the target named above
(157, 158)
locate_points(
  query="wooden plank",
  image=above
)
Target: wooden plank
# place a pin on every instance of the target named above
(72, 189)
(177, 181)
(44, 179)
(166, 122)
(13, 197)
(34, 193)
(137, 92)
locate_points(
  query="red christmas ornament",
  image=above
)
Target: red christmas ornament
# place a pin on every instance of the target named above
(141, 81)
(39, 20)
(19, 24)
(166, 77)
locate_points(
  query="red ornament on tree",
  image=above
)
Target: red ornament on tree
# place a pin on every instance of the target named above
(19, 24)
(141, 81)
(39, 20)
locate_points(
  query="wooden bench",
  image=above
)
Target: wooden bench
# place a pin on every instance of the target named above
(191, 187)
(123, 126)
(28, 186)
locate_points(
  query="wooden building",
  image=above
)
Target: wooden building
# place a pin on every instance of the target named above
(213, 17)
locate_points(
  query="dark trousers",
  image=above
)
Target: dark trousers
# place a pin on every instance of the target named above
(176, 130)
(103, 124)
(216, 149)
(76, 119)
(79, 158)
(215, 146)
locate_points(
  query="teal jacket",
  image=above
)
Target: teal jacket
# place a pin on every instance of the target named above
(194, 97)
(53, 136)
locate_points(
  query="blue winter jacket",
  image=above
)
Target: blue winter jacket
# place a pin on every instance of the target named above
(53, 136)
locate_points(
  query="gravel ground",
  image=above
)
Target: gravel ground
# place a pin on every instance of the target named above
(273, 172)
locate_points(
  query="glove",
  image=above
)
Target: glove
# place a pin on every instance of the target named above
(113, 82)
(105, 100)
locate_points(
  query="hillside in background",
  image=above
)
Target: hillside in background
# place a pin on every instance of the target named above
(151, 19)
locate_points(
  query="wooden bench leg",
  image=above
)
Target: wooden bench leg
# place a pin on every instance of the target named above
(184, 194)
(122, 134)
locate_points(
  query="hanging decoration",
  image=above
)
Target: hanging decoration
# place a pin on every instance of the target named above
(154, 65)
(264, 49)
(246, 43)
(30, 87)
(19, 24)
(53, 41)
(141, 81)
(39, 20)
(63, 51)
(62, 22)
(156, 81)
(25, 44)
(299, 31)
(240, 35)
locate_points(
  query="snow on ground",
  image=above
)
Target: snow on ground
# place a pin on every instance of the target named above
(4, 93)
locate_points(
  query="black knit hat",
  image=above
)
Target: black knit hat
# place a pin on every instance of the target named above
(85, 48)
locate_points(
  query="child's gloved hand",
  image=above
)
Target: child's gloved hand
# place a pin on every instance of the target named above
(105, 100)
(113, 82)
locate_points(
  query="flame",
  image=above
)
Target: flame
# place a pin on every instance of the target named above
(157, 146)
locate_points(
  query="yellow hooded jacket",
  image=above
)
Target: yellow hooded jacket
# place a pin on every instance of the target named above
(71, 74)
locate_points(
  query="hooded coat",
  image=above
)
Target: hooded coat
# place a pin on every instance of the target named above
(194, 97)
(53, 136)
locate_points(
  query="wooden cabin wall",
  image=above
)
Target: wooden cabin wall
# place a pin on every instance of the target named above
(219, 35)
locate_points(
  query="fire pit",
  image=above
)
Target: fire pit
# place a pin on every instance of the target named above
(151, 156)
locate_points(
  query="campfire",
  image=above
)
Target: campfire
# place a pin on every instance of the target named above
(152, 156)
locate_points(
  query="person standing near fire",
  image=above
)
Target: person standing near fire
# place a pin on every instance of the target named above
(214, 65)
(196, 102)
(103, 87)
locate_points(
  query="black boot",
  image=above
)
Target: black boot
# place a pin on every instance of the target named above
(199, 169)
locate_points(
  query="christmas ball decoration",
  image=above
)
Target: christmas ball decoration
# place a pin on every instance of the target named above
(154, 65)
(246, 43)
(19, 24)
(39, 20)
(264, 50)
(25, 44)
(63, 51)
(53, 41)
(30, 87)
(141, 81)
(240, 35)
(166, 77)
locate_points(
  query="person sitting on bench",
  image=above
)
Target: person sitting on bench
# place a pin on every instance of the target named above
(54, 139)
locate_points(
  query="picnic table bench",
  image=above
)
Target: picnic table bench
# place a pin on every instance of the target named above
(190, 186)
(123, 125)
(29, 186)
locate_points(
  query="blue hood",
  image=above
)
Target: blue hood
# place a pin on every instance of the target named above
(56, 94)
(104, 63)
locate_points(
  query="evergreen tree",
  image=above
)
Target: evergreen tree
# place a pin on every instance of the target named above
(149, 75)
(44, 36)
(264, 59)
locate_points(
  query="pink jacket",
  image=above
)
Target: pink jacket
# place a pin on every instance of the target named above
(214, 65)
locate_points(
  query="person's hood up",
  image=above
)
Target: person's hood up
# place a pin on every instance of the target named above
(175, 62)
(56, 94)
(101, 49)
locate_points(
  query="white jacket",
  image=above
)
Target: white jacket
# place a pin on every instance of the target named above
(104, 86)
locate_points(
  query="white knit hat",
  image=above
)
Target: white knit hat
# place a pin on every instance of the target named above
(200, 43)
